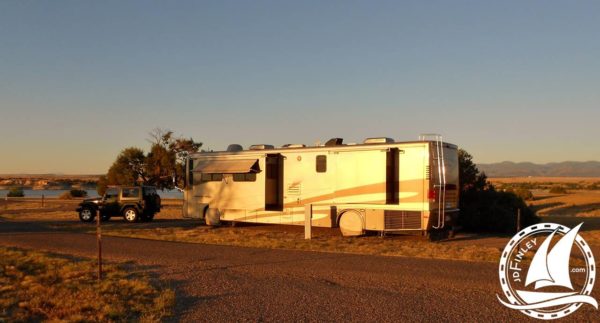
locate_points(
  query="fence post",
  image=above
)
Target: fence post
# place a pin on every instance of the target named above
(518, 219)
(308, 221)
(99, 241)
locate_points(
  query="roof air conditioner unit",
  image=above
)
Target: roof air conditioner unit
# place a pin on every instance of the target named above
(293, 146)
(234, 148)
(261, 147)
(379, 140)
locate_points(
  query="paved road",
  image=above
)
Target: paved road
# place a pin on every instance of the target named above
(221, 283)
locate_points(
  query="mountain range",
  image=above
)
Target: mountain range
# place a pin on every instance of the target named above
(562, 169)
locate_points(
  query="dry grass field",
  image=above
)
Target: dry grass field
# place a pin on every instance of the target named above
(577, 201)
(557, 180)
(37, 286)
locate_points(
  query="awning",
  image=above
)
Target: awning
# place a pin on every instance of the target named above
(235, 166)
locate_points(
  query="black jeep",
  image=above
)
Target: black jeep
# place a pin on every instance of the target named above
(133, 203)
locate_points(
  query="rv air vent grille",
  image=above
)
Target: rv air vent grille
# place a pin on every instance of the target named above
(261, 147)
(379, 140)
(401, 220)
(294, 189)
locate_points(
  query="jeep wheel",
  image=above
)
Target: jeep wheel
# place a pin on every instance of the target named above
(130, 214)
(87, 214)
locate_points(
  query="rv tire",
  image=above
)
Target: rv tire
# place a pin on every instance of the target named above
(351, 223)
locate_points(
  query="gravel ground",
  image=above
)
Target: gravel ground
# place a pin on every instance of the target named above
(222, 283)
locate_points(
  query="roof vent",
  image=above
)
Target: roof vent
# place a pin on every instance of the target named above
(379, 140)
(234, 148)
(293, 146)
(261, 147)
(334, 142)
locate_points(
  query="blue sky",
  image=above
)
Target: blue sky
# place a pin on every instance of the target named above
(511, 80)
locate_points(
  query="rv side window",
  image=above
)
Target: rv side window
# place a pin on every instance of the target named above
(247, 177)
(321, 164)
(212, 177)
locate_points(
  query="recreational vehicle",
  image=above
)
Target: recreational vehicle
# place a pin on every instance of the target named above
(380, 185)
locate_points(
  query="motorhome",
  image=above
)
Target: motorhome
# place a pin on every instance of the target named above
(380, 185)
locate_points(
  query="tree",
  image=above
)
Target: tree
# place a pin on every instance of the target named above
(482, 208)
(167, 157)
(128, 169)
(469, 175)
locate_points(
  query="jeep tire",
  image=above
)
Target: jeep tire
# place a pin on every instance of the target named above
(87, 214)
(130, 215)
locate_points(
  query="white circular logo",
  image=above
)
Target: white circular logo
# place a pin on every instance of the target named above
(543, 276)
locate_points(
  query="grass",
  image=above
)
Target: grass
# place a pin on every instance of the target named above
(38, 286)
(292, 238)
(579, 203)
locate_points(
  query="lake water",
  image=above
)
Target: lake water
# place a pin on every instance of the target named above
(169, 194)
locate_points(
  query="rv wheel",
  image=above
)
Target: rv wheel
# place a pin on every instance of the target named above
(351, 224)
(212, 217)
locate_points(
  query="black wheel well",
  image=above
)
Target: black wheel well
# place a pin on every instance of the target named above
(91, 206)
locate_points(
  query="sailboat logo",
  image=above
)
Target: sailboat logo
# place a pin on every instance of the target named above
(547, 290)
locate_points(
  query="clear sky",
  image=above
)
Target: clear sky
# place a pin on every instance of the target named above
(510, 80)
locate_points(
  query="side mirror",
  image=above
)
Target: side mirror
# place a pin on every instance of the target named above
(175, 183)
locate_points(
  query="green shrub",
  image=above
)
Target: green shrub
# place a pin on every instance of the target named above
(558, 190)
(492, 211)
(78, 193)
(15, 192)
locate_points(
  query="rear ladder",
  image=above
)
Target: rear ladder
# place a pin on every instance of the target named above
(440, 187)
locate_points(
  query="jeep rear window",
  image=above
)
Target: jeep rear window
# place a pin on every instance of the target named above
(130, 192)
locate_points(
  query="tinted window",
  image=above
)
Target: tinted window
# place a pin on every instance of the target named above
(247, 177)
(190, 171)
(212, 177)
(321, 164)
(111, 192)
(130, 192)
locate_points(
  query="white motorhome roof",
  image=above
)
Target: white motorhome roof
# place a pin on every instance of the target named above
(363, 146)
